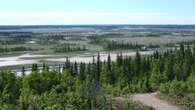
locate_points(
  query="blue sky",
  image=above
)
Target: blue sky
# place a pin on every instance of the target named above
(41, 12)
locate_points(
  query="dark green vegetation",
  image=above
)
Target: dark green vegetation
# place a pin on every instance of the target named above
(181, 89)
(92, 86)
(114, 45)
(180, 92)
(15, 49)
(68, 48)
(79, 86)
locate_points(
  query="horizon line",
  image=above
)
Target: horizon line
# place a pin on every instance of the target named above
(96, 24)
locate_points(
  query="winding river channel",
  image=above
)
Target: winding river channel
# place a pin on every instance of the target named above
(29, 59)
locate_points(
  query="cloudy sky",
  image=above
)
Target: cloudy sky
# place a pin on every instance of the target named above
(59, 12)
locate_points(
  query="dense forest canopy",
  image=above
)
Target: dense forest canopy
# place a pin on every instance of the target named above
(88, 86)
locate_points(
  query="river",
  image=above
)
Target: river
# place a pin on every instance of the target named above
(28, 59)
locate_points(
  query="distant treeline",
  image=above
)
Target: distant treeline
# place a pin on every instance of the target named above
(115, 45)
(11, 33)
(99, 26)
(15, 49)
(68, 48)
(12, 41)
(179, 43)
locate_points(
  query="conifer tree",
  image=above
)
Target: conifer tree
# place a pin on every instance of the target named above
(82, 72)
(137, 63)
(23, 71)
(98, 68)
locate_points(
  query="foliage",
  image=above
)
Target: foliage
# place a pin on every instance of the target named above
(86, 86)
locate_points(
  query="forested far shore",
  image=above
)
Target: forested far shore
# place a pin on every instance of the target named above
(89, 86)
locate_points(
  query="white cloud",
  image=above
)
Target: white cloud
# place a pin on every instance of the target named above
(92, 18)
